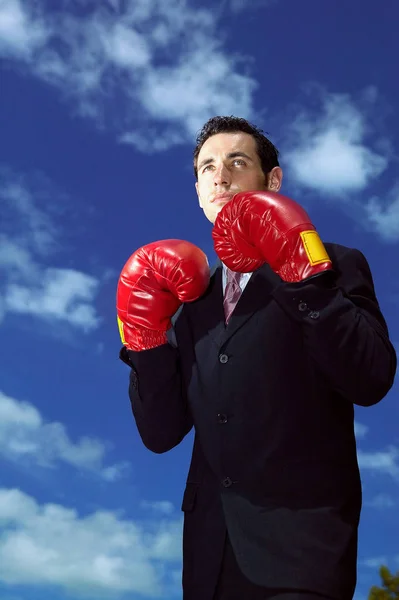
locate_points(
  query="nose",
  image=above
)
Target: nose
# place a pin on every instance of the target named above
(221, 175)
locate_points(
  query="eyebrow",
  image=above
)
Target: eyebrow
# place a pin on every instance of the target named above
(210, 160)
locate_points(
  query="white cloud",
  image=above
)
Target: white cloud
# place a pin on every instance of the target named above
(17, 260)
(35, 227)
(381, 462)
(153, 140)
(61, 295)
(27, 438)
(28, 287)
(21, 31)
(114, 472)
(360, 430)
(328, 148)
(95, 554)
(178, 93)
(163, 506)
(381, 501)
(383, 216)
(126, 48)
(164, 63)
(237, 6)
(374, 562)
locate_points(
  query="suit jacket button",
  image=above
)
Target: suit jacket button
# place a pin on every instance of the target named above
(314, 314)
(222, 418)
(223, 358)
(227, 482)
(302, 306)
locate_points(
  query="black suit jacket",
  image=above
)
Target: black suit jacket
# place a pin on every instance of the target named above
(271, 397)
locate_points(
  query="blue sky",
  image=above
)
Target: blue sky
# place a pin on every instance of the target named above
(99, 106)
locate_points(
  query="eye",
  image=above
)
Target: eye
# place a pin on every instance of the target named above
(206, 168)
(239, 161)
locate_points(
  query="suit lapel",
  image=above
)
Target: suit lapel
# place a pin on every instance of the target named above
(209, 308)
(256, 294)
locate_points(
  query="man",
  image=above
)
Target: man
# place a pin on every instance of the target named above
(267, 366)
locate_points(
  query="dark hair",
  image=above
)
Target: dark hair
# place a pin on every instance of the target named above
(267, 152)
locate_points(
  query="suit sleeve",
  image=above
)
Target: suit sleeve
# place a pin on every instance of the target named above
(157, 395)
(344, 330)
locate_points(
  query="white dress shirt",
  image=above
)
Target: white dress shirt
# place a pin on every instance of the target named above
(245, 277)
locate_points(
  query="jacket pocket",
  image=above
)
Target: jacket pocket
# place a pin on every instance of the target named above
(189, 497)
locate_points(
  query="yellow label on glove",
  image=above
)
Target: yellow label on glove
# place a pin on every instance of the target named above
(121, 333)
(314, 247)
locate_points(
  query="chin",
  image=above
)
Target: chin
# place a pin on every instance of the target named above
(215, 216)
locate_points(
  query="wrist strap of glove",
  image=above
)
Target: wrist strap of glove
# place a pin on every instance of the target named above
(144, 339)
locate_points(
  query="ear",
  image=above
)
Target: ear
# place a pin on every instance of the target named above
(275, 179)
(199, 197)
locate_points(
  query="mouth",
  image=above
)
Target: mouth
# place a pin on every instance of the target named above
(222, 198)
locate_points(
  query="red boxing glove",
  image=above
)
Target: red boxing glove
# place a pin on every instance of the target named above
(154, 282)
(258, 227)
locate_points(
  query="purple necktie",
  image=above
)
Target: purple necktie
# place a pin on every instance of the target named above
(232, 293)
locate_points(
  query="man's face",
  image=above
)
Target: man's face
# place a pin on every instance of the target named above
(228, 163)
